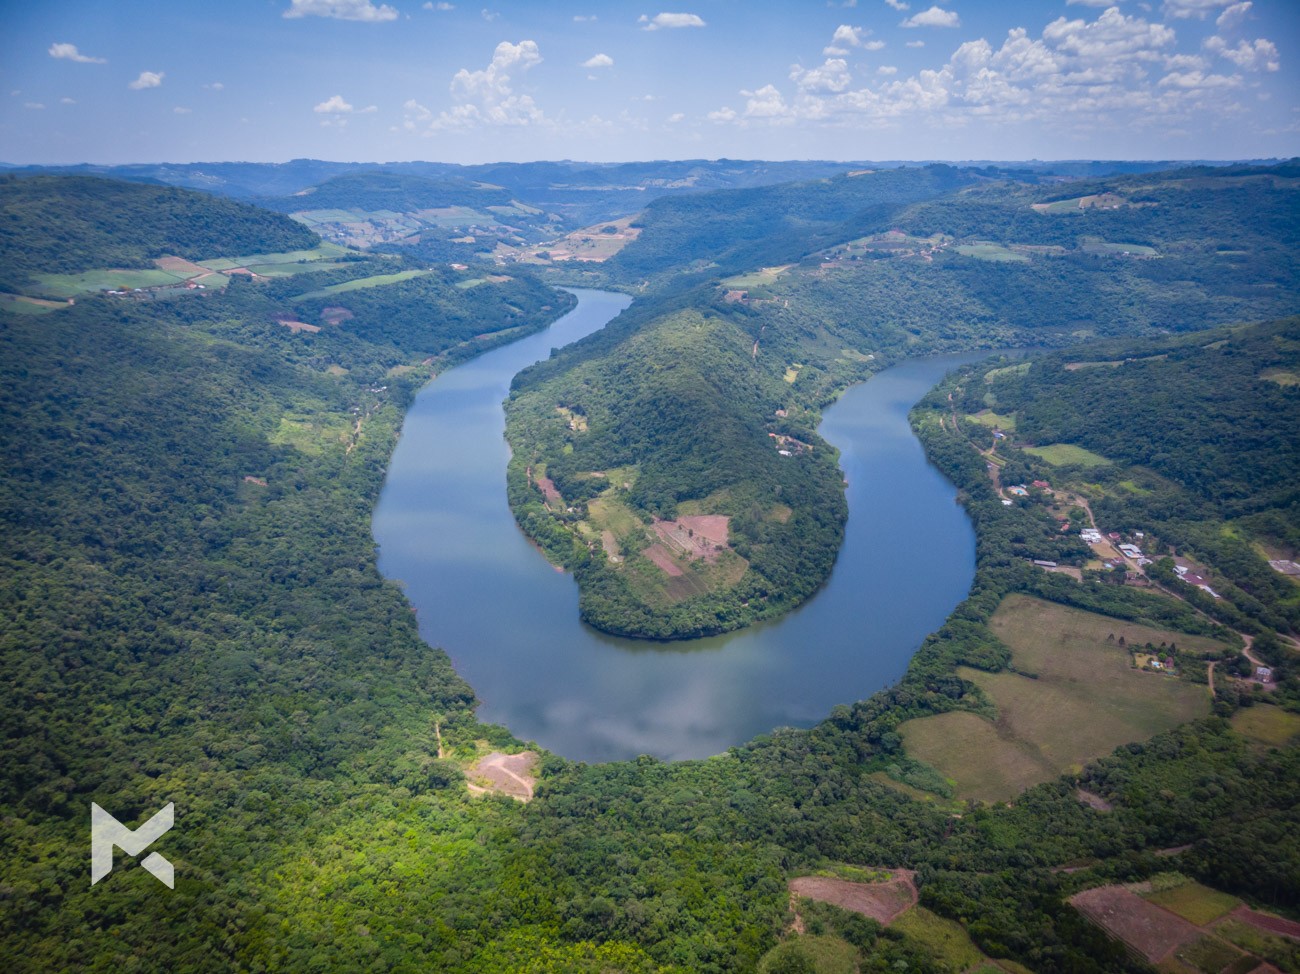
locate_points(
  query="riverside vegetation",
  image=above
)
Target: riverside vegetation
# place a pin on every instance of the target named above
(176, 631)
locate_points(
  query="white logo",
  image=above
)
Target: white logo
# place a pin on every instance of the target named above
(106, 832)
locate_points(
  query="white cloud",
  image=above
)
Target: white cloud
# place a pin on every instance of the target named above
(489, 15)
(767, 102)
(599, 61)
(179, 110)
(934, 17)
(669, 21)
(1233, 16)
(916, 43)
(487, 96)
(69, 52)
(147, 79)
(676, 117)
(1110, 36)
(215, 86)
(1260, 56)
(1092, 3)
(362, 10)
(1199, 79)
(33, 105)
(67, 101)
(887, 69)
(852, 36)
(584, 18)
(898, 5)
(873, 45)
(1192, 8)
(334, 105)
(833, 75)
(723, 114)
(430, 5)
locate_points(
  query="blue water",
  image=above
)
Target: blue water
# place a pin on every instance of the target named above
(510, 621)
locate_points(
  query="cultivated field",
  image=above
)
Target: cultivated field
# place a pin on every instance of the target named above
(1060, 454)
(323, 252)
(987, 417)
(87, 282)
(883, 901)
(1268, 725)
(1195, 903)
(1082, 701)
(378, 280)
(991, 252)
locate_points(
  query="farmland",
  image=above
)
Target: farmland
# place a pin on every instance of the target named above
(1267, 725)
(1067, 454)
(1074, 696)
(991, 252)
(377, 280)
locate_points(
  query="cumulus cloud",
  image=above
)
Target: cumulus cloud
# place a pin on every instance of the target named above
(670, 21)
(334, 105)
(675, 117)
(833, 75)
(599, 61)
(181, 110)
(1192, 8)
(767, 102)
(1259, 56)
(67, 101)
(723, 114)
(934, 17)
(1090, 3)
(439, 6)
(916, 43)
(215, 86)
(584, 18)
(147, 79)
(898, 5)
(1233, 16)
(362, 10)
(69, 52)
(35, 106)
(1112, 35)
(488, 97)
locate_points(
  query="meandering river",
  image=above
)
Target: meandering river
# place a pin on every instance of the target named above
(510, 621)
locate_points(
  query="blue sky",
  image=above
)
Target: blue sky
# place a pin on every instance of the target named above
(271, 80)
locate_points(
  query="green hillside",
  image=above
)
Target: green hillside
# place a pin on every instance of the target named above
(68, 224)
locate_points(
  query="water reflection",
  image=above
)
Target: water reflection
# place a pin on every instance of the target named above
(510, 622)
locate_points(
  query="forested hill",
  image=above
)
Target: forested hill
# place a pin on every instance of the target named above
(389, 191)
(732, 230)
(66, 224)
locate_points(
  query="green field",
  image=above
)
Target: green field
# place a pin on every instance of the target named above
(990, 251)
(1267, 724)
(989, 418)
(992, 375)
(946, 940)
(1281, 376)
(764, 275)
(811, 952)
(1083, 701)
(1194, 902)
(323, 252)
(87, 282)
(21, 305)
(1096, 245)
(289, 270)
(1061, 454)
(378, 280)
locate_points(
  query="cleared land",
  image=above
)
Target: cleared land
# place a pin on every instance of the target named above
(324, 251)
(946, 940)
(1151, 931)
(1060, 454)
(1083, 700)
(1195, 903)
(990, 251)
(884, 902)
(987, 417)
(378, 280)
(1267, 725)
(23, 305)
(505, 774)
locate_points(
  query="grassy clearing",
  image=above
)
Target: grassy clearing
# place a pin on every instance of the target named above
(1083, 700)
(22, 305)
(825, 955)
(1279, 951)
(992, 375)
(378, 280)
(312, 433)
(987, 417)
(764, 275)
(1281, 376)
(1210, 955)
(324, 251)
(1061, 454)
(1097, 245)
(1266, 724)
(991, 252)
(1194, 902)
(470, 282)
(290, 270)
(87, 282)
(945, 939)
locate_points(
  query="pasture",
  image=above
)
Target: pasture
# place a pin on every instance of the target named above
(1195, 903)
(1267, 725)
(1067, 454)
(378, 280)
(324, 252)
(22, 305)
(990, 252)
(108, 279)
(1074, 697)
(946, 940)
(987, 417)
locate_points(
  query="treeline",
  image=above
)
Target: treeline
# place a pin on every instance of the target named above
(67, 224)
(380, 190)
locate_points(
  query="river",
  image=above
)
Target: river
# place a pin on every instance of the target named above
(510, 621)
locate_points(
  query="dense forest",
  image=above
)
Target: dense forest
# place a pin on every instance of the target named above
(67, 224)
(389, 191)
(192, 614)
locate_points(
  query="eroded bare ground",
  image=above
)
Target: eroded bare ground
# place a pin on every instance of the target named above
(504, 774)
(884, 902)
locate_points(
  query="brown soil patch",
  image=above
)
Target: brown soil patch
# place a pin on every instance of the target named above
(883, 902)
(610, 544)
(1151, 931)
(505, 774)
(179, 265)
(335, 315)
(658, 554)
(694, 536)
(1095, 802)
(1267, 922)
(547, 487)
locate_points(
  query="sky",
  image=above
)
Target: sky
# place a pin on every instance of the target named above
(366, 80)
